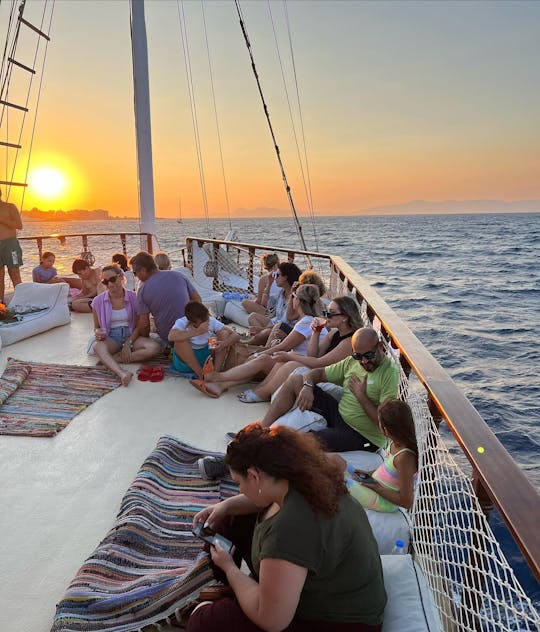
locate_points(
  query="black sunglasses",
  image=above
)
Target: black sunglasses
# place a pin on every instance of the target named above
(332, 314)
(368, 355)
(110, 279)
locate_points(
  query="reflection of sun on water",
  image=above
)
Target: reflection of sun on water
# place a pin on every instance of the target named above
(47, 182)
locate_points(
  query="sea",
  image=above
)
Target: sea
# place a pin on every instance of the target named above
(467, 285)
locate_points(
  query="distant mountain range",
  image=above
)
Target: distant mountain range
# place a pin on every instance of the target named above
(456, 206)
(407, 208)
(418, 207)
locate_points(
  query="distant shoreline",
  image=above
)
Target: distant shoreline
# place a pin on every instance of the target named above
(34, 219)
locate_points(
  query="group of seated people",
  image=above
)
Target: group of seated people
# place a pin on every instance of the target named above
(121, 316)
(298, 521)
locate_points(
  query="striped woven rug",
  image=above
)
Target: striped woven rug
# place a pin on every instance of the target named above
(149, 565)
(39, 399)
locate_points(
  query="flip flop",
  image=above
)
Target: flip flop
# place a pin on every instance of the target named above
(201, 386)
(157, 374)
(249, 397)
(144, 373)
(208, 366)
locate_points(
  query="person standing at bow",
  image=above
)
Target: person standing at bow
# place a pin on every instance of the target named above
(10, 249)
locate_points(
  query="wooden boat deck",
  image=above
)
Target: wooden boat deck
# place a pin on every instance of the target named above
(60, 495)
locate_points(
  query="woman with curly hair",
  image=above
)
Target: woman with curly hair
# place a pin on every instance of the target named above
(314, 561)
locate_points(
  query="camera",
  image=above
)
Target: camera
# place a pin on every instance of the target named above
(209, 535)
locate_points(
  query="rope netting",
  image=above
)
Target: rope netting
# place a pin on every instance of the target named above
(471, 582)
(236, 269)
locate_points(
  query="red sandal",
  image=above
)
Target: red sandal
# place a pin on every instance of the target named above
(157, 374)
(145, 373)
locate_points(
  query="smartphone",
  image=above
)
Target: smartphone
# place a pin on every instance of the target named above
(364, 478)
(209, 535)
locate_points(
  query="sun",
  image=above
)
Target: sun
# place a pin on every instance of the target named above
(47, 182)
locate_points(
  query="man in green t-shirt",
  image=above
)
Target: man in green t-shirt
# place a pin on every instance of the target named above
(368, 377)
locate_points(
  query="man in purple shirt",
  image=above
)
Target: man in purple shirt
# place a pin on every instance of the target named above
(164, 294)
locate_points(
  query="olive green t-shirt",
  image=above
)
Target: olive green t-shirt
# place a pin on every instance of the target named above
(344, 581)
(381, 384)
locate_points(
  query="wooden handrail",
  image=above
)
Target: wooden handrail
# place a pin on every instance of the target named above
(122, 235)
(58, 235)
(502, 479)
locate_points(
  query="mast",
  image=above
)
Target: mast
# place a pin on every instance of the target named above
(139, 52)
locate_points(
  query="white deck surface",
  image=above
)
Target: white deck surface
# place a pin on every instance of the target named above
(59, 496)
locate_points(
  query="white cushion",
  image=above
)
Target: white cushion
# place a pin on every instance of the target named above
(302, 421)
(389, 527)
(235, 312)
(212, 299)
(51, 296)
(410, 606)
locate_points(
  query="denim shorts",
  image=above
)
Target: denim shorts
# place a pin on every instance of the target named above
(119, 335)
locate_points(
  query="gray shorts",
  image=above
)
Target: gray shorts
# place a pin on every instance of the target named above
(10, 253)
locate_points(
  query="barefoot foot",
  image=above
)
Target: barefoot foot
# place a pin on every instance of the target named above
(125, 378)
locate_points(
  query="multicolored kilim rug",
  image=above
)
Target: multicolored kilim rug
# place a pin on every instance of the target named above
(39, 399)
(150, 564)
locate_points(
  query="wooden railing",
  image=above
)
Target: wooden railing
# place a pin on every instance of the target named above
(39, 239)
(495, 474)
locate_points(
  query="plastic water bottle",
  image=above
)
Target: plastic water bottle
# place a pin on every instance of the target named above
(234, 296)
(399, 548)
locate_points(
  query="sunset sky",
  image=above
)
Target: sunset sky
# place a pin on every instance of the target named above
(400, 101)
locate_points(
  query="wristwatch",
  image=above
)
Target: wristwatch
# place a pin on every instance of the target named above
(309, 384)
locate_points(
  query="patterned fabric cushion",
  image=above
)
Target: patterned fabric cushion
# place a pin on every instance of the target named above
(12, 378)
(150, 564)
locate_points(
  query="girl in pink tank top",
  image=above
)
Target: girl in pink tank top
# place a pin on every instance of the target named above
(392, 483)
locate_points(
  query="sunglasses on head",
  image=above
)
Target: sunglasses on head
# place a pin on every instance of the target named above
(110, 280)
(368, 355)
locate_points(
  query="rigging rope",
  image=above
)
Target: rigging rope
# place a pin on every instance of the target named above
(291, 116)
(39, 92)
(5, 93)
(309, 194)
(216, 118)
(267, 114)
(5, 53)
(187, 63)
(5, 75)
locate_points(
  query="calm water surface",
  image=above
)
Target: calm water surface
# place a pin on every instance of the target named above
(467, 285)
